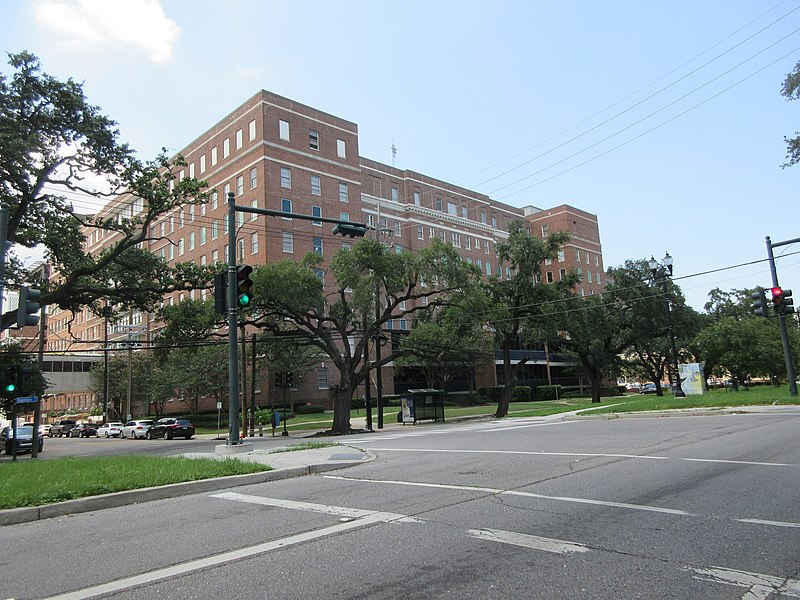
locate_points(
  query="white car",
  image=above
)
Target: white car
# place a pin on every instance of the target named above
(110, 429)
(136, 429)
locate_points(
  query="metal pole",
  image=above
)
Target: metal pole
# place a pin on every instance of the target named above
(243, 432)
(3, 243)
(105, 367)
(378, 380)
(233, 362)
(367, 399)
(787, 348)
(677, 374)
(253, 388)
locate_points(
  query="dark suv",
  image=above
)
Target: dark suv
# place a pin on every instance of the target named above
(169, 428)
(62, 427)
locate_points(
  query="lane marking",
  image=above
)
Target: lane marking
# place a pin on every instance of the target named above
(586, 455)
(362, 518)
(766, 522)
(468, 488)
(534, 542)
(759, 586)
(338, 511)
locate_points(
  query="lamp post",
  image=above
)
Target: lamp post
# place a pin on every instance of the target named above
(661, 272)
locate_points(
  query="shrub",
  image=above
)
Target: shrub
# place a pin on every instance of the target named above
(309, 409)
(549, 392)
(492, 393)
(522, 393)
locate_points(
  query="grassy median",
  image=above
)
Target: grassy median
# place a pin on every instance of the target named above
(37, 482)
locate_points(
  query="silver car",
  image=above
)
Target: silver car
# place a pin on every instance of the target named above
(110, 429)
(136, 429)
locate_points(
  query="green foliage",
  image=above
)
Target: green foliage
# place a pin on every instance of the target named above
(308, 409)
(548, 392)
(491, 393)
(791, 91)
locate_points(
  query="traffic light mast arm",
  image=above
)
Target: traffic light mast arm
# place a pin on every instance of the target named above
(288, 215)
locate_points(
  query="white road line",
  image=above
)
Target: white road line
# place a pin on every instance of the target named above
(528, 541)
(765, 522)
(583, 454)
(467, 488)
(361, 518)
(339, 511)
(759, 587)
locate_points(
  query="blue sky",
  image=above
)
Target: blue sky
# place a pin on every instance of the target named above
(664, 119)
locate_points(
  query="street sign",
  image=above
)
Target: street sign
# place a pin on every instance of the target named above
(26, 399)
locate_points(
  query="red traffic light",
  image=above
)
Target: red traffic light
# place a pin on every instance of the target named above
(776, 291)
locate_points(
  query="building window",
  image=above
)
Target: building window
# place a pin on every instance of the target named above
(344, 216)
(420, 232)
(213, 156)
(397, 228)
(455, 238)
(240, 185)
(286, 177)
(283, 128)
(253, 204)
(545, 232)
(214, 229)
(417, 198)
(253, 178)
(316, 211)
(588, 277)
(191, 241)
(191, 171)
(549, 277)
(288, 242)
(561, 257)
(239, 139)
(239, 218)
(452, 208)
(341, 149)
(548, 261)
(313, 139)
(320, 274)
(467, 242)
(483, 217)
(254, 244)
(251, 129)
(203, 163)
(463, 212)
(203, 236)
(286, 206)
(395, 193)
(316, 185)
(580, 274)
(317, 245)
(486, 247)
(180, 247)
(588, 256)
(214, 200)
(322, 378)
(344, 195)
(577, 255)
(494, 222)
(226, 147)
(438, 203)
(598, 278)
(562, 273)
(240, 249)
(215, 256)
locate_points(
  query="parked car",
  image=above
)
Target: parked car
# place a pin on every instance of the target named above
(110, 429)
(170, 427)
(648, 388)
(83, 430)
(136, 429)
(42, 428)
(24, 439)
(62, 427)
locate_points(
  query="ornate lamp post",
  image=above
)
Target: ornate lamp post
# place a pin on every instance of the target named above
(661, 272)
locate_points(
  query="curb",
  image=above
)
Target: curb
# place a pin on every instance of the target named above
(26, 514)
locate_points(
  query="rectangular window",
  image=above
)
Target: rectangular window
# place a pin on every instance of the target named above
(214, 229)
(397, 228)
(240, 185)
(455, 238)
(343, 216)
(549, 277)
(191, 241)
(486, 247)
(545, 232)
(483, 217)
(344, 194)
(313, 139)
(561, 257)
(467, 242)
(254, 244)
(316, 211)
(317, 245)
(191, 171)
(588, 277)
(286, 177)
(288, 242)
(548, 261)
(213, 156)
(240, 249)
(577, 255)
(215, 256)
(463, 212)
(322, 378)
(239, 218)
(203, 235)
(596, 260)
(226, 147)
(588, 256)
(598, 278)
(341, 149)
(180, 247)
(251, 129)
(395, 194)
(226, 190)
(562, 273)
(438, 203)
(316, 185)
(239, 139)
(203, 163)
(286, 206)
(417, 198)
(283, 129)
(452, 208)
(214, 200)
(253, 178)
(420, 232)
(494, 222)
(488, 268)
(253, 204)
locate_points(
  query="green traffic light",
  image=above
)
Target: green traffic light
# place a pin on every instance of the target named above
(244, 300)
(11, 387)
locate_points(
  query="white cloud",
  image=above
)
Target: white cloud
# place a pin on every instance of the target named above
(104, 24)
(241, 72)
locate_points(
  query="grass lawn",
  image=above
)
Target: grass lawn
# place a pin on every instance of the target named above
(37, 482)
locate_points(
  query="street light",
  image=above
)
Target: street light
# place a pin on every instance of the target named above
(661, 272)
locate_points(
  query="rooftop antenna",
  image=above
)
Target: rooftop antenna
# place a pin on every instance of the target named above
(394, 152)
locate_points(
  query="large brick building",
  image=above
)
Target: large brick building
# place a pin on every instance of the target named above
(278, 154)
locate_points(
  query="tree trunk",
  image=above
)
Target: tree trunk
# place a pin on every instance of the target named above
(510, 381)
(596, 381)
(342, 397)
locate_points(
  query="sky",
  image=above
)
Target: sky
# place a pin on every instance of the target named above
(664, 119)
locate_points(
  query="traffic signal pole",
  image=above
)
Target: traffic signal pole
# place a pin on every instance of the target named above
(233, 362)
(787, 349)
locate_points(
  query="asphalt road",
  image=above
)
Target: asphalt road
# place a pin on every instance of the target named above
(677, 507)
